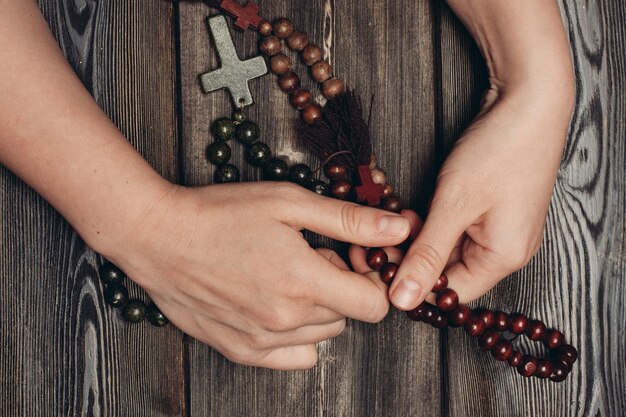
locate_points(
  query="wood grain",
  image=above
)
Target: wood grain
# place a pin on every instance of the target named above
(577, 281)
(65, 353)
(368, 371)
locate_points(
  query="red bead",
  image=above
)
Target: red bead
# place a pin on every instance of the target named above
(519, 323)
(570, 352)
(447, 300)
(311, 54)
(280, 64)
(341, 190)
(283, 28)
(392, 204)
(502, 321)
(265, 28)
(321, 71)
(297, 41)
(459, 316)
(562, 361)
(487, 317)
(554, 339)
(536, 330)
(336, 172)
(503, 350)
(376, 258)
(441, 321)
(312, 114)
(388, 272)
(301, 99)
(558, 374)
(528, 367)
(441, 284)
(488, 340)
(544, 369)
(516, 359)
(429, 314)
(270, 46)
(332, 88)
(474, 326)
(417, 313)
(289, 82)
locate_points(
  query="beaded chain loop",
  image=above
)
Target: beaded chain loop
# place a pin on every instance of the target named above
(486, 325)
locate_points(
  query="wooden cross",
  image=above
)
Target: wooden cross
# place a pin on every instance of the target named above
(234, 74)
(368, 190)
(246, 16)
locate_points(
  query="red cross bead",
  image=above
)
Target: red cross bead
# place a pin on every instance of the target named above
(245, 16)
(368, 190)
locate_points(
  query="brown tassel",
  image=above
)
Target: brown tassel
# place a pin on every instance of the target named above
(342, 133)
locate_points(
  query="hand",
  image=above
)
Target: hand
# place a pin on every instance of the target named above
(488, 212)
(228, 265)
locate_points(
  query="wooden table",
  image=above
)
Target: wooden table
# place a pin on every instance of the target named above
(63, 353)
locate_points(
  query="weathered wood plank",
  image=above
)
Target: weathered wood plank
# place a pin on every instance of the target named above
(65, 353)
(389, 369)
(577, 281)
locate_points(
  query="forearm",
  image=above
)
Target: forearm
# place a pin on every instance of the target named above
(524, 44)
(54, 136)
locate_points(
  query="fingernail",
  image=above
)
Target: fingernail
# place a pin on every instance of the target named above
(393, 226)
(406, 293)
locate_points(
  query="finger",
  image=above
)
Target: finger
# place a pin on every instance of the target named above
(306, 335)
(333, 257)
(426, 258)
(348, 293)
(415, 221)
(347, 222)
(290, 358)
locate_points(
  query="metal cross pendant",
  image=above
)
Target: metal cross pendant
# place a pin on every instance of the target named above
(234, 73)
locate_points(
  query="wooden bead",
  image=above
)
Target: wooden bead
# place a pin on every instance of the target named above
(376, 258)
(502, 350)
(447, 300)
(441, 284)
(301, 99)
(488, 340)
(321, 71)
(569, 351)
(536, 330)
(373, 162)
(459, 316)
(270, 46)
(155, 316)
(487, 317)
(388, 272)
(544, 369)
(519, 323)
(280, 64)
(115, 295)
(554, 339)
(319, 187)
(289, 82)
(336, 172)
(391, 203)
(416, 313)
(300, 174)
(558, 374)
(341, 189)
(441, 321)
(283, 28)
(111, 274)
(312, 114)
(134, 311)
(297, 41)
(311, 54)
(528, 366)
(474, 326)
(265, 28)
(275, 170)
(429, 314)
(516, 359)
(332, 88)
(388, 190)
(379, 176)
(502, 321)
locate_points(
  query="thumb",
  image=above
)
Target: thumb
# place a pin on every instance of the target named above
(426, 259)
(348, 222)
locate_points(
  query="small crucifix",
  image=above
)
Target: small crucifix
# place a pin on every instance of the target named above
(234, 74)
(368, 190)
(246, 16)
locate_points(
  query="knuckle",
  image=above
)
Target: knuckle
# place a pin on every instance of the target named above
(280, 322)
(378, 310)
(350, 219)
(289, 192)
(425, 258)
(341, 327)
(241, 355)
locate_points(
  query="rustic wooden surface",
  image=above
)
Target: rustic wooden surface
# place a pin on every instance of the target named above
(64, 354)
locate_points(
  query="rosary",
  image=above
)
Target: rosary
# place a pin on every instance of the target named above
(338, 135)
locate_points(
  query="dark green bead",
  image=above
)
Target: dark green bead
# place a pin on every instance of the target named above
(239, 117)
(224, 129)
(226, 173)
(115, 295)
(276, 170)
(258, 154)
(134, 311)
(248, 132)
(319, 187)
(155, 316)
(300, 174)
(218, 153)
(111, 274)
